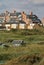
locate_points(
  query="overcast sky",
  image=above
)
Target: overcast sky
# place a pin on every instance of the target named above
(36, 6)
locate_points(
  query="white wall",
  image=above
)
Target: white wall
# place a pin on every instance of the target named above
(7, 26)
(13, 26)
(22, 26)
(30, 27)
(32, 24)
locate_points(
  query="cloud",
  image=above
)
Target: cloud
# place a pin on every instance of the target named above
(37, 1)
(0, 4)
(37, 6)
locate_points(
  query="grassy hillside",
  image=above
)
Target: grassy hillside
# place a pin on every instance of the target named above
(35, 35)
(31, 54)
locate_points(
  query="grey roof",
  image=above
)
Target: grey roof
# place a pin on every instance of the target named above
(15, 14)
(34, 18)
(12, 14)
(15, 22)
(18, 13)
(31, 16)
(2, 14)
(11, 22)
(12, 19)
(22, 22)
(36, 21)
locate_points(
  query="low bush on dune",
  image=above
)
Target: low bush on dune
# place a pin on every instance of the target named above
(41, 62)
(26, 60)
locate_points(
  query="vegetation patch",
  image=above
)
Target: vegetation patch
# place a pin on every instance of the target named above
(26, 59)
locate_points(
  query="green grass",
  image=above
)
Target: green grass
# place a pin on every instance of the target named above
(22, 52)
(34, 39)
(27, 35)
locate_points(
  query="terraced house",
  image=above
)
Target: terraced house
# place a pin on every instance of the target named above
(18, 20)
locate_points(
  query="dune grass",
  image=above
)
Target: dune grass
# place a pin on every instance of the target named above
(19, 53)
(34, 44)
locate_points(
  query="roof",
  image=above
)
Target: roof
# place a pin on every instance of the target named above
(22, 22)
(12, 19)
(15, 14)
(2, 14)
(18, 13)
(36, 21)
(12, 22)
(12, 14)
(34, 18)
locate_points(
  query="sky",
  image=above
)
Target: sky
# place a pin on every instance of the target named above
(36, 6)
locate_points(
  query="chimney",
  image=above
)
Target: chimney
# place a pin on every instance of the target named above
(23, 15)
(31, 13)
(14, 11)
(6, 11)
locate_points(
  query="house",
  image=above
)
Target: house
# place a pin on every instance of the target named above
(5, 16)
(34, 19)
(12, 24)
(17, 20)
(15, 15)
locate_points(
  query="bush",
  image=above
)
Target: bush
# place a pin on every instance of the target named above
(5, 57)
